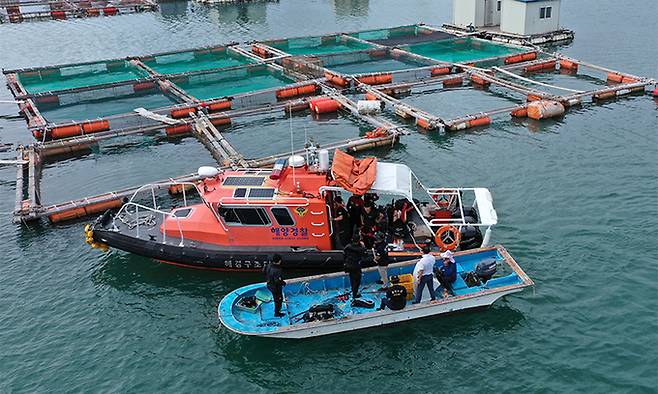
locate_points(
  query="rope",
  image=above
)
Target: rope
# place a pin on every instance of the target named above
(511, 74)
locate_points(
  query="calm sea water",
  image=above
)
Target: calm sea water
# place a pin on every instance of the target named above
(576, 199)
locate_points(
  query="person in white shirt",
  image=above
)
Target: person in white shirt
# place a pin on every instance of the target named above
(425, 274)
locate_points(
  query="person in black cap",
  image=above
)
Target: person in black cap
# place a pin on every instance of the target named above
(353, 255)
(343, 223)
(275, 282)
(396, 296)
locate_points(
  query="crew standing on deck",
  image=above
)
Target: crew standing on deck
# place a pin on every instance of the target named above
(275, 282)
(380, 253)
(353, 255)
(425, 274)
(343, 222)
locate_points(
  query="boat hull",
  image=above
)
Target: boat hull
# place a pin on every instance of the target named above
(245, 259)
(388, 317)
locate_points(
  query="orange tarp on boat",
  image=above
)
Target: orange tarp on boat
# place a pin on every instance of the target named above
(355, 176)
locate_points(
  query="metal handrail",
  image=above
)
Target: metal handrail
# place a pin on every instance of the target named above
(155, 210)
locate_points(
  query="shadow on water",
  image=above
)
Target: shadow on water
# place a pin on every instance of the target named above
(131, 273)
(403, 346)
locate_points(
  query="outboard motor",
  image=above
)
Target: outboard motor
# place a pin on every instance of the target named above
(471, 237)
(486, 269)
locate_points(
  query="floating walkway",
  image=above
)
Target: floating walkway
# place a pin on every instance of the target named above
(411, 70)
(17, 11)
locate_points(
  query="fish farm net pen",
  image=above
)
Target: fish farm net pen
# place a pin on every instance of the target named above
(197, 92)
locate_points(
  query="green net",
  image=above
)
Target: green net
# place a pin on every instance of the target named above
(70, 77)
(461, 49)
(194, 61)
(319, 45)
(221, 84)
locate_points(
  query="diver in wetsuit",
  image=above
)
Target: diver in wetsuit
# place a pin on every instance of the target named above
(275, 283)
(354, 253)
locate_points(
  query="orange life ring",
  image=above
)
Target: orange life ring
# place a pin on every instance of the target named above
(447, 237)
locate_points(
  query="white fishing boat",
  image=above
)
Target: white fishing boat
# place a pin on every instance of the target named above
(320, 305)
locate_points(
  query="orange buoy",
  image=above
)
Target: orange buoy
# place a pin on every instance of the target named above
(178, 130)
(336, 79)
(479, 81)
(38, 134)
(371, 97)
(614, 77)
(655, 92)
(568, 65)
(549, 65)
(183, 112)
(58, 14)
(605, 95)
(307, 89)
(453, 82)
(110, 11)
(483, 121)
(142, 86)
(178, 189)
(221, 121)
(69, 214)
(520, 113)
(368, 80)
(383, 78)
(544, 109)
(529, 56)
(287, 93)
(219, 106)
(95, 127)
(423, 123)
(65, 131)
(437, 71)
(377, 133)
(513, 59)
(324, 106)
(103, 206)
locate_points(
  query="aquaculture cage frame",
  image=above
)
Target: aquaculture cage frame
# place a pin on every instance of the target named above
(312, 80)
(10, 11)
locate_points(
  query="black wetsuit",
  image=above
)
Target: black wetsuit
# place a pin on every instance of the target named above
(344, 226)
(275, 283)
(396, 298)
(354, 254)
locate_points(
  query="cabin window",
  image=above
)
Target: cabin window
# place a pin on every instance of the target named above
(545, 12)
(548, 11)
(182, 213)
(244, 216)
(498, 6)
(282, 216)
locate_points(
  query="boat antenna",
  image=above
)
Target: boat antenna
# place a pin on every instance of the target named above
(292, 147)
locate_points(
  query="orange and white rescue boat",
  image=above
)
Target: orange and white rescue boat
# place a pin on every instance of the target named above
(246, 216)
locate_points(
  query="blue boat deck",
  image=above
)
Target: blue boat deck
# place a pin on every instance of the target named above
(300, 295)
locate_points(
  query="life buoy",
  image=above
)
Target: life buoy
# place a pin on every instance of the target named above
(447, 237)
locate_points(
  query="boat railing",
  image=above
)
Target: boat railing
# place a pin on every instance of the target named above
(152, 187)
(149, 222)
